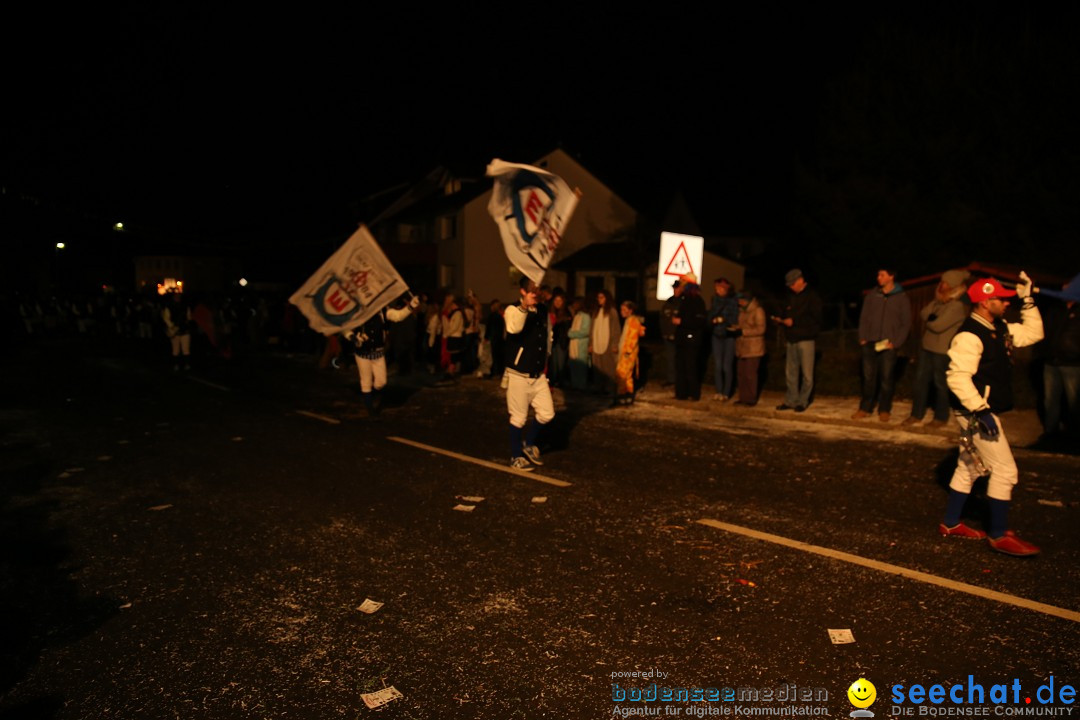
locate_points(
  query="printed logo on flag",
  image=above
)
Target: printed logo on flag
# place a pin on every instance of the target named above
(351, 286)
(533, 202)
(333, 302)
(531, 208)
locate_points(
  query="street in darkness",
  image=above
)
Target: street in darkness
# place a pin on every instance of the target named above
(199, 545)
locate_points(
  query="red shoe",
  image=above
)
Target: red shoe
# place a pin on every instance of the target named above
(1012, 545)
(961, 530)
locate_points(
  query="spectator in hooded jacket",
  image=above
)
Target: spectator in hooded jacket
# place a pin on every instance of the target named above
(884, 325)
(941, 317)
(749, 347)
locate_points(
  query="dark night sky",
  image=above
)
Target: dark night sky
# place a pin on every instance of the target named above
(272, 124)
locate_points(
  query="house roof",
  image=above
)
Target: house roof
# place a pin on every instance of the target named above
(427, 197)
(621, 255)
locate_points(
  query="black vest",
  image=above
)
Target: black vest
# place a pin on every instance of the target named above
(526, 351)
(995, 365)
(375, 330)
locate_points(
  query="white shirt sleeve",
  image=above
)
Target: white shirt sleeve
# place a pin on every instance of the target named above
(1030, 328)
(515, 319)
(398, 314)
(964, 355)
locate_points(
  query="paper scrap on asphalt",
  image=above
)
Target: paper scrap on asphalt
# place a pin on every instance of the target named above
(540, 499)
(1052, 503)
(64, 475)
(123, 442)
(125, 606)
(464, 508)
(841, 637)
(74, 470)
(381, 697)
(237, 439)
(469, 498)
(369, 606)
(105, 458)
(160, 507)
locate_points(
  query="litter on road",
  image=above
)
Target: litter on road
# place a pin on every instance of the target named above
(464, 508)
(369, 606)
(381, 697)
(841, 637)
(160, 507)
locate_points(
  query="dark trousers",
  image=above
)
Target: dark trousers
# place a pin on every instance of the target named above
(748, 379)
(930, 371)
(879, 378)
(687, 375)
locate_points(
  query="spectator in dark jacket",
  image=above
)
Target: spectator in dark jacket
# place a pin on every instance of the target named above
(691, 322)
(1061, 368)
(802, 320)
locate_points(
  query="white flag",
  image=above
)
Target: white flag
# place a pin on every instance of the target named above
(352, 285)
(531, 207)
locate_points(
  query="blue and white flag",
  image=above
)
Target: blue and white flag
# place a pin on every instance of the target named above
(1069, 292)
(532, 207)
(356, 282)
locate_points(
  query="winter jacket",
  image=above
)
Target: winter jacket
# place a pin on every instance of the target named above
(885, 317)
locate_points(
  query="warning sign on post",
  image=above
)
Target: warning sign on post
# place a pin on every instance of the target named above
(679, 254)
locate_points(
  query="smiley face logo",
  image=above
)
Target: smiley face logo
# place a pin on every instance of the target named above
(862, 693)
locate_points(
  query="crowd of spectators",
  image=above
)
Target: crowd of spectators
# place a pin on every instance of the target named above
(449, 336)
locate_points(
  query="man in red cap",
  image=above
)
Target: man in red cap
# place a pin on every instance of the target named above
(980, 382)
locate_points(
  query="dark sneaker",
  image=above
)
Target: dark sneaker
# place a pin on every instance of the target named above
(961, 530)
(520, 463)
(1012, 545)
(800, 408)
(785, 406)
(532, 453)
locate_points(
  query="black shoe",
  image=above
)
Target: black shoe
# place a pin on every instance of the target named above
(800, 408)
(785, 406)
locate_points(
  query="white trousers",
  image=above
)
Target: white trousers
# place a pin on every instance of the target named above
(524, 392)
(996, 456)
(372, 373)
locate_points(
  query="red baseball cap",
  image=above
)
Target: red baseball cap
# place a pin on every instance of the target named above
(987, 288)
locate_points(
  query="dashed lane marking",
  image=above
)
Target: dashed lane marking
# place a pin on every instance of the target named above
(897, 570)
(483, 463)
(317, 416)
(208, 383)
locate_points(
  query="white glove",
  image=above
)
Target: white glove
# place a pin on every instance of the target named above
(1023, 288)
(415, 302)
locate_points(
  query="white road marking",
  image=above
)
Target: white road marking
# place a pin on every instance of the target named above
(207, 382)
(897, 570)
(483, 463)
(317, 416)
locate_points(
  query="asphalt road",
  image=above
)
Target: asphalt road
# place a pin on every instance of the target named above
(197, 545)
